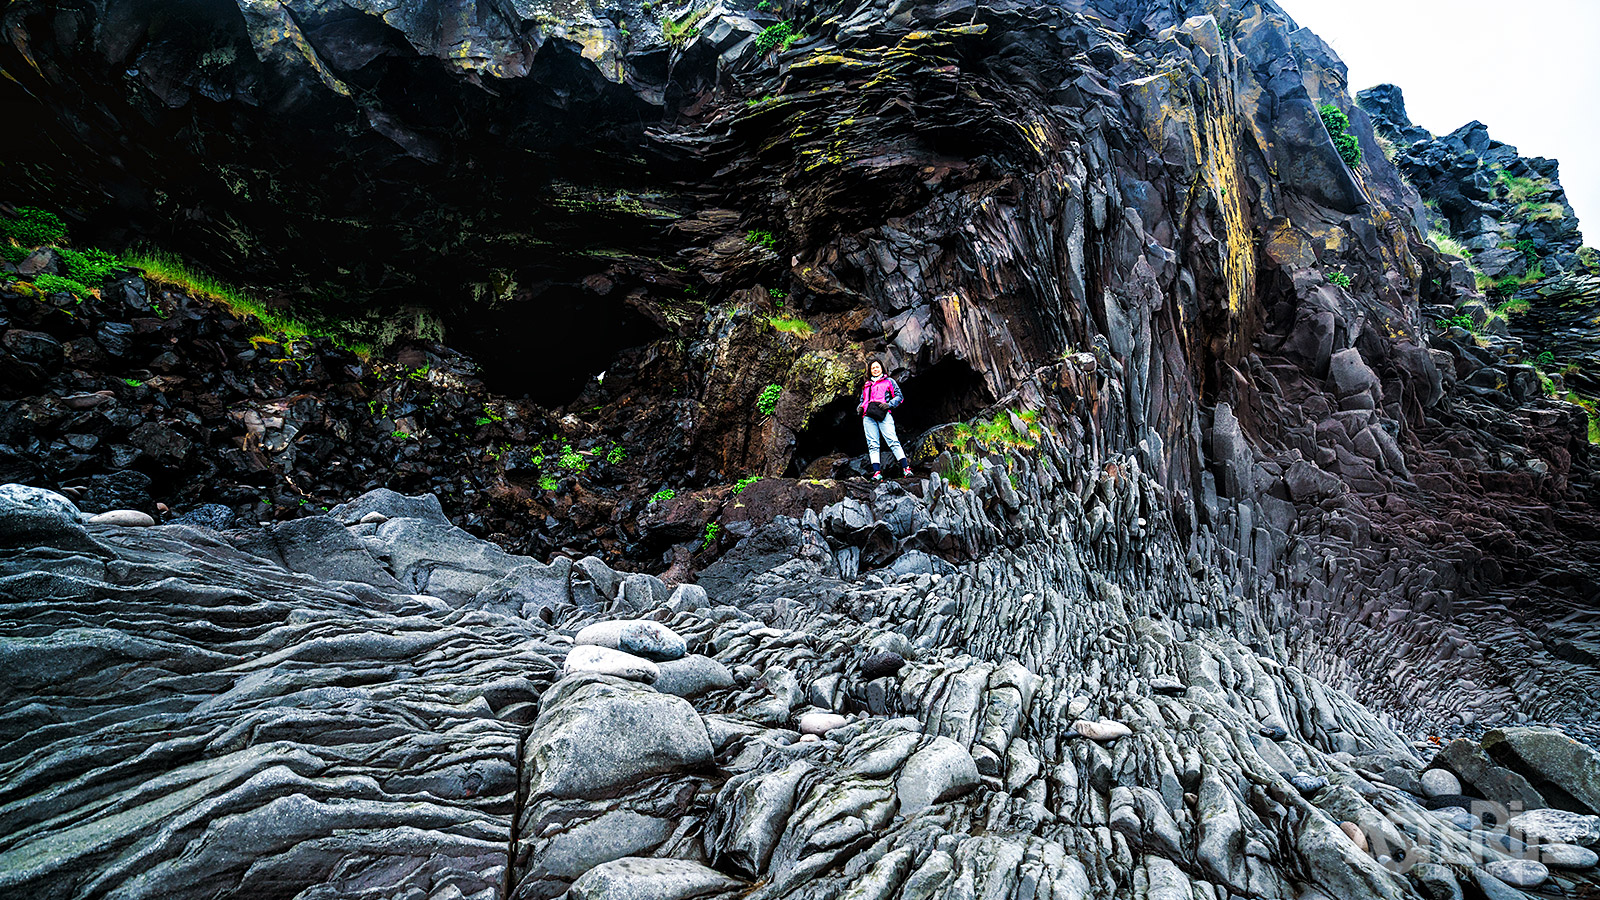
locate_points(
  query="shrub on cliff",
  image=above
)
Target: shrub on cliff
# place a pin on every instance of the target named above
(1338, 125)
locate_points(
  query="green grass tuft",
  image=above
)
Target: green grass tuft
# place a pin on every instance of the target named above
(791, 325)
(33, 227)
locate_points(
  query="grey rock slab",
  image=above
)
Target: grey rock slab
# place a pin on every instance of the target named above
(640, 878)
(390, 505)
(598, 734)
(941, 770)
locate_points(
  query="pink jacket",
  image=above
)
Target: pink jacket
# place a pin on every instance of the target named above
(881, 390)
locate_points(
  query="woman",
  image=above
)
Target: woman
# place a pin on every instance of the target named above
(879, 395)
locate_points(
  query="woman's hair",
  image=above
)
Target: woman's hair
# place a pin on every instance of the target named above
(870, 361)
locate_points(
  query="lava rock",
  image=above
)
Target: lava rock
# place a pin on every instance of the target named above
(882, 664)
(213, 516)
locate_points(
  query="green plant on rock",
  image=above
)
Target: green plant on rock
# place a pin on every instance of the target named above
(548, 482)
(33, 227)
(678, 32)
(663, 495)
(710, 536)
(616, 454)
(775, 35)
(89, 266)
(1459, 320)
(791, 325)
(572, 460)
(764, 238)
(741, 484)
(1589, 258)
(1340, 279)
(1338, 125)
(13, 254)
(768, 401)
(55, 284)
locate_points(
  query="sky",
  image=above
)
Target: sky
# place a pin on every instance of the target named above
(1528, 69)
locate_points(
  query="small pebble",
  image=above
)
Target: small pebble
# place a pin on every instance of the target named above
(1274, 732)
(373, 518)
(1355, 834)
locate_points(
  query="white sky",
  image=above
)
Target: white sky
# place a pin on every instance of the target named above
(1528, 69)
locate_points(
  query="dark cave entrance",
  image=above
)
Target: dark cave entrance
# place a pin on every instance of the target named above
(948, 391)
(550, 346)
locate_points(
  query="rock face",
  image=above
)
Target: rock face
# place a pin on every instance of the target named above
(1218, 525)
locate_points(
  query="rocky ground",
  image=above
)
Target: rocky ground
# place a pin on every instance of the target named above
(373, 703)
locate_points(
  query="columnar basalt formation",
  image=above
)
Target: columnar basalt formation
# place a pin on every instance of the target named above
(1238, 530)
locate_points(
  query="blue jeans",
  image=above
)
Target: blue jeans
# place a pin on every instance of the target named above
(878, 432)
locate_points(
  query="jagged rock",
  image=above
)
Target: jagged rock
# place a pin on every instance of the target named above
(605, 661)
(1557, 765)
(1501, 785)
(127, 518)
(635, 878)
(1522, 873)
(1437, 882)
(596, 734)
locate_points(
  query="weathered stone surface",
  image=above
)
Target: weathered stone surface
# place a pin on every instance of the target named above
(596, 734)
(1557, 826)
(692, 676)
(940, 771)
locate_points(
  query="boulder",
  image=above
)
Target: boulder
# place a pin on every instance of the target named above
(1567, 856)
(606, 661)
(598, 734)
(1497, 783)
(1103, 730)
(692, 676)
(33, 517)
(1564, 771)
(641, 637)
(1439, 782)
(941, 770)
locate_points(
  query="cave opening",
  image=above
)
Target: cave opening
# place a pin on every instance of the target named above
(549, 347)
(948, 391)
